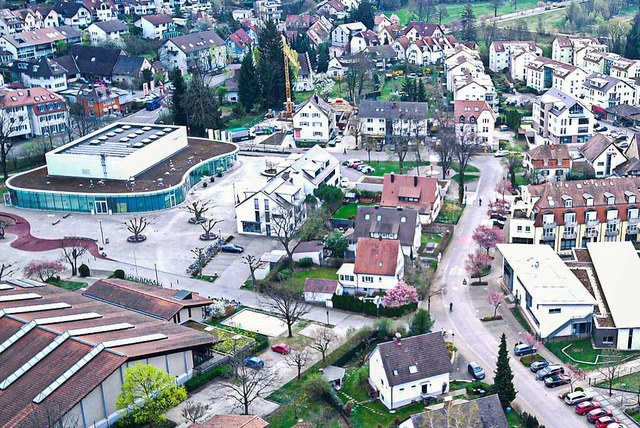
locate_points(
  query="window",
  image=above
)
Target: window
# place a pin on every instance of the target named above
(519, 228)
(317, 134)
(567, 244)
(555, 311)
(527, 229)
(256, 204)
(367, 216)
(607, 340)
(366, 278)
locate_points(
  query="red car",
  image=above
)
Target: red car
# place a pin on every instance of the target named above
(586, 407)
(281, 348)
(596, 414)
(605, 421)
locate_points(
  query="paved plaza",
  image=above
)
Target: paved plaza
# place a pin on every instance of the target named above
(257, 322)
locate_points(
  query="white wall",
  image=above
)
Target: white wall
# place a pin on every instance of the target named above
(310, 124)
(623, 338)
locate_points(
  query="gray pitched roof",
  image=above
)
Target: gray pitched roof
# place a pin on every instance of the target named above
(427, 352)
(487, 410)
(197, 41)
(390, 222)
(383, 51)
(128, 65)
(111, 26)
(595, 146)
(393, 110)
(42, 67)
(601, 82)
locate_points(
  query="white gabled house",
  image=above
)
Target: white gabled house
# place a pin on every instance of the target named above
(405, 370)
(378, 267)
(478, 117)
(317, 167)
(341, 35)
(107, 31)
(315, 120)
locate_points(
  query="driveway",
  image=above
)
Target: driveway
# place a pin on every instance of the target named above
(477, 340)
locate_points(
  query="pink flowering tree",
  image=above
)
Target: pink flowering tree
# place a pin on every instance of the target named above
(476, 264)
(43, 269)
(400, 295)
(501, 207)
(495, 299)
(488, 237)
(503, 187)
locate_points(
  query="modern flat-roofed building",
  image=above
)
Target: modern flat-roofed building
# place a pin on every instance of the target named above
(551, 297)
(63, 355)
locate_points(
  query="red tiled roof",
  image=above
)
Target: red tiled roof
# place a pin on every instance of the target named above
(396, 185)
(470, 109)
(549, 151)
(26, 97)
(377, 256)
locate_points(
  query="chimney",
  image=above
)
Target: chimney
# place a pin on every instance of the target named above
(398, 339)
(415, 181)
(315, 98)
(399, 208)
(393, 176)
(28, 92)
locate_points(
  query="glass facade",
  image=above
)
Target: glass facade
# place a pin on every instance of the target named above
(101, 203)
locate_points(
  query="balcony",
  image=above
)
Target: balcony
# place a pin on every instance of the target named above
(610, 232)
(570, 223)
(547, 238)
(549, 225)
(572, 235)
(592, 222)
(591, 234)
(614, 221)
(633, 220)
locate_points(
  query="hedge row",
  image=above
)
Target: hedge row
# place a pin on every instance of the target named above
(197, 381)
(262, 341)
(367, 307)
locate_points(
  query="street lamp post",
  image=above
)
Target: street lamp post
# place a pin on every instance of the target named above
(155, 266)
(135, 261)
(101, 232)
(327, 317)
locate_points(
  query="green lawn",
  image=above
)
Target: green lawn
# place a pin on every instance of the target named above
(297, 279)
(285, 417)
(347, 211)
(470, 169)
(629, 382)
(390, 89)
(521, 319)
(387, 167)
(454, 11)
(514, 420)
(583, 351)
(430, 237)
(247, 120)
(449, 213)
(67, 285)
(467, 178)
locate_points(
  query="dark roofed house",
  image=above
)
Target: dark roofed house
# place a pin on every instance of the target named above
(602, 155)
(404, 370)
(73, 14)
(313, 250)
(128, 68)
(204, 51)
(60, 350)
(95, 62)
(483, 412)
(549, 162)
(408, 191)
(167, 304)
(44, 72)
(318, 290)
(389, 223)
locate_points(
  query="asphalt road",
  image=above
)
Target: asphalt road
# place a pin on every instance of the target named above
(475, 339)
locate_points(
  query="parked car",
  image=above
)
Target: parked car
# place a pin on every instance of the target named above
(574, 398)
(522, 349)
(356, 164)
(499, 224)
(232, 248)
(606, 421)
(586, 406)
(331, 143)
(557, 380)
(344, 182)
(504, 128)
(616, 425)
(538, 365)
(497, 216)
(475, 370)
(360, 167)
(596, 414)
(550, 370)
(281, 348)
(350, 162)
(253, 362)
(368, 169)
(602, 129)
(501, 153)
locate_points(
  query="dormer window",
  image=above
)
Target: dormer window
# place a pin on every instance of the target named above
(610, 198)
(588, 199)
(403, 219)
(367, 216)
(631, 197)
(568, 202)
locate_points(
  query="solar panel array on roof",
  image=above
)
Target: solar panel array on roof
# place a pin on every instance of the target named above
(182, 295)
(35, 308)
(17, 297)
(24, 283)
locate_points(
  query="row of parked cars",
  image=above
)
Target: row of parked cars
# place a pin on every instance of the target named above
(359, 165)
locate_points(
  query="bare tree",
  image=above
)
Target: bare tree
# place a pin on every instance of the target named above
(198, 209)
(9, 124)
(283, 228)
(445, 144)
(421, 279)
(286, 304)
(322, 341)
(254, 263)
(72, 250)
(298, 359)
(50, 417)
(208, 227)
(198, 256)
(464, 149)
(248, 384)
(194, 411)
(609, 370)
(7, 269)
(137, 225)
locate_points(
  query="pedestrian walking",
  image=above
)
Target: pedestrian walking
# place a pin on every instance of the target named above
(480, 201)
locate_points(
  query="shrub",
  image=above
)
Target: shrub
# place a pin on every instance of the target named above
(353, 304)
(527, 360)
(284, 274)
(84, 271)
(578, 389)
(316, 387)
(118, 273)
(197, 381)
(305, 262)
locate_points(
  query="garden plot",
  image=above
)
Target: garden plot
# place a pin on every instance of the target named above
(257, 322)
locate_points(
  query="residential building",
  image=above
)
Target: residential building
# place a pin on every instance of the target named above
(65, 355)
(548, 162)
(378, 267)
(544, 73)
(602, 92)
(276, 209)
(429, 50)
(107, 31)
(599, 62)
(341, 35)
(28, 19)
(241, 15)
(552, 299)
(478, 119)
(268, 10)
(300, 22)
(43, 73)
(412, 192)
(624, 68)
(128, 70)
(559, 118)
(389, 223)
(384, 56)
(168, 304)
(101, 10)
(100, 101)
(382, 120)
(314, 120)
(574, 213)
(603, 155)
(361, 40)
(238, 45)
(316, 167)
(10, 22)
(139, 7)
(91, 62)
(75, 15)
(34, 112)
(571, 49)
(32, 44)
(46, 17)
(313, 250)
(332, 8)
(518, 63)
(336, 69)
(320, 31)
(232, 421)
(404, 370)
(615, 267)
(320, 290)
(416, 30)
(160, 26)
(304, 79)
(500, 53)
(204, 51)
(483, 412)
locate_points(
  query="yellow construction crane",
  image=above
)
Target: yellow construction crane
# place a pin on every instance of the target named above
(290, 58)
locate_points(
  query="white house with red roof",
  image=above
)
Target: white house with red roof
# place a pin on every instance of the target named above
(479, 118)
(34, 111)
(412, 191)
(378, 267)
(500, 53)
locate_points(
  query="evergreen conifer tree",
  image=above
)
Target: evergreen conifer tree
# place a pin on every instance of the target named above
(503, 380)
